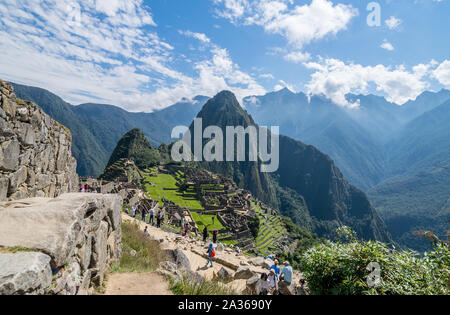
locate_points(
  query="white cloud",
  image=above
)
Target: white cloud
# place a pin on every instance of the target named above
(393, 22)
(299, 25)
(442, 73)
(386, 45)
(297, 56)
(267, 76)
(108, 52)
(200, 36)
(335, 79)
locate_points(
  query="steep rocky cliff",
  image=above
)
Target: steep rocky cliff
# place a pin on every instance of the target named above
(35, 151)
(308, 186)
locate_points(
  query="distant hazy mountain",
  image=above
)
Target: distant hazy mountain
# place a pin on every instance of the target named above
(97, 128)
(308, 186)
(388, 150)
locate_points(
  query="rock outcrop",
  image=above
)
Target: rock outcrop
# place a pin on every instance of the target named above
(35, 151)
(78, 235)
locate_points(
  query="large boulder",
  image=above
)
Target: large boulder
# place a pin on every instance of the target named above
(243, 273)
(25, 273)
(256, 261)
(81, 233)
(224, 275)
(267, 263)
(179, 258)
(251, 284)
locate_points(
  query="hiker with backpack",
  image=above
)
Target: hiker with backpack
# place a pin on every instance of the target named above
(211, 254)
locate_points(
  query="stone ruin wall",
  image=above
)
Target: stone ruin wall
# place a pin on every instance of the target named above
(35, 151)
(52, 241)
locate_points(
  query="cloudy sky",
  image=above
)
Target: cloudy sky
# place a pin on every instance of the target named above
(145, 55)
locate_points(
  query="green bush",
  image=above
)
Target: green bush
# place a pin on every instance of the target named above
(341, 268)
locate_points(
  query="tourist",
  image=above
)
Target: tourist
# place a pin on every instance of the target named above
(214, 234)
(302, 289)
(133, 212)
(285, 278)
(146, 232)
(275, 268)
(158, 221)
(272, 282)
(211, 254)
(262, 286)
(152, 216)
(205, 234)
(143, 215)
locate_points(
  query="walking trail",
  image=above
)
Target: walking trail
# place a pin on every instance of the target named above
(194, 249)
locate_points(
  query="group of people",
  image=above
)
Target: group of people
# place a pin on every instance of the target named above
(214, 233)
(134, 211)
(86, 188)
(278, 281)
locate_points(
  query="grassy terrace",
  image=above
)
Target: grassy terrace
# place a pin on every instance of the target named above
(165, 187)
(203, 220)
(271, 230)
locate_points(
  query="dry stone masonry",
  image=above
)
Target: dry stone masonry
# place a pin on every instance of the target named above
(35, 151)
(68, 243)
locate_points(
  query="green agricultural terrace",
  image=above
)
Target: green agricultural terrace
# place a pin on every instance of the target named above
(165, 186)
(271, 230)
(203, 220)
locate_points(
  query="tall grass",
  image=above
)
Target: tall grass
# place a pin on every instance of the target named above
(200, 287)
(148, 252)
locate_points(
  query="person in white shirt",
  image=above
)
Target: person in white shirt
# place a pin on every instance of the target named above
(272, 279)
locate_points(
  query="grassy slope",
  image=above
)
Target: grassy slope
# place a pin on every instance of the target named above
(165, 181)
(148, 252)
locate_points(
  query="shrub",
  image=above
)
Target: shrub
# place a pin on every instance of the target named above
(338, 268)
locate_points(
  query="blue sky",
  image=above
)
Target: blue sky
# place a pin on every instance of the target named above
(146, 55)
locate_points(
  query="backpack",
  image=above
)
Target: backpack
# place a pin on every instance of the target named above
(213, 253)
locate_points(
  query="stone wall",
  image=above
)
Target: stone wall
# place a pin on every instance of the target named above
(35, 151)
(65, 244)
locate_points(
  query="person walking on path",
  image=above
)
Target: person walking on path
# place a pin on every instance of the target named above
(158, 221)
(152, 217)
(214, 233)
(211, 254)
(205, 234)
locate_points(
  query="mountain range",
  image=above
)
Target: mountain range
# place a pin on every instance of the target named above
(96, 128)
(388, 151)
(308, 187)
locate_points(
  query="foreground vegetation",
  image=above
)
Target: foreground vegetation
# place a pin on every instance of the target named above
(204, 287)
(342, 268)
(139, 254)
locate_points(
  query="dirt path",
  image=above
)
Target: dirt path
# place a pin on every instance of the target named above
(137, 284)
(153, 284)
